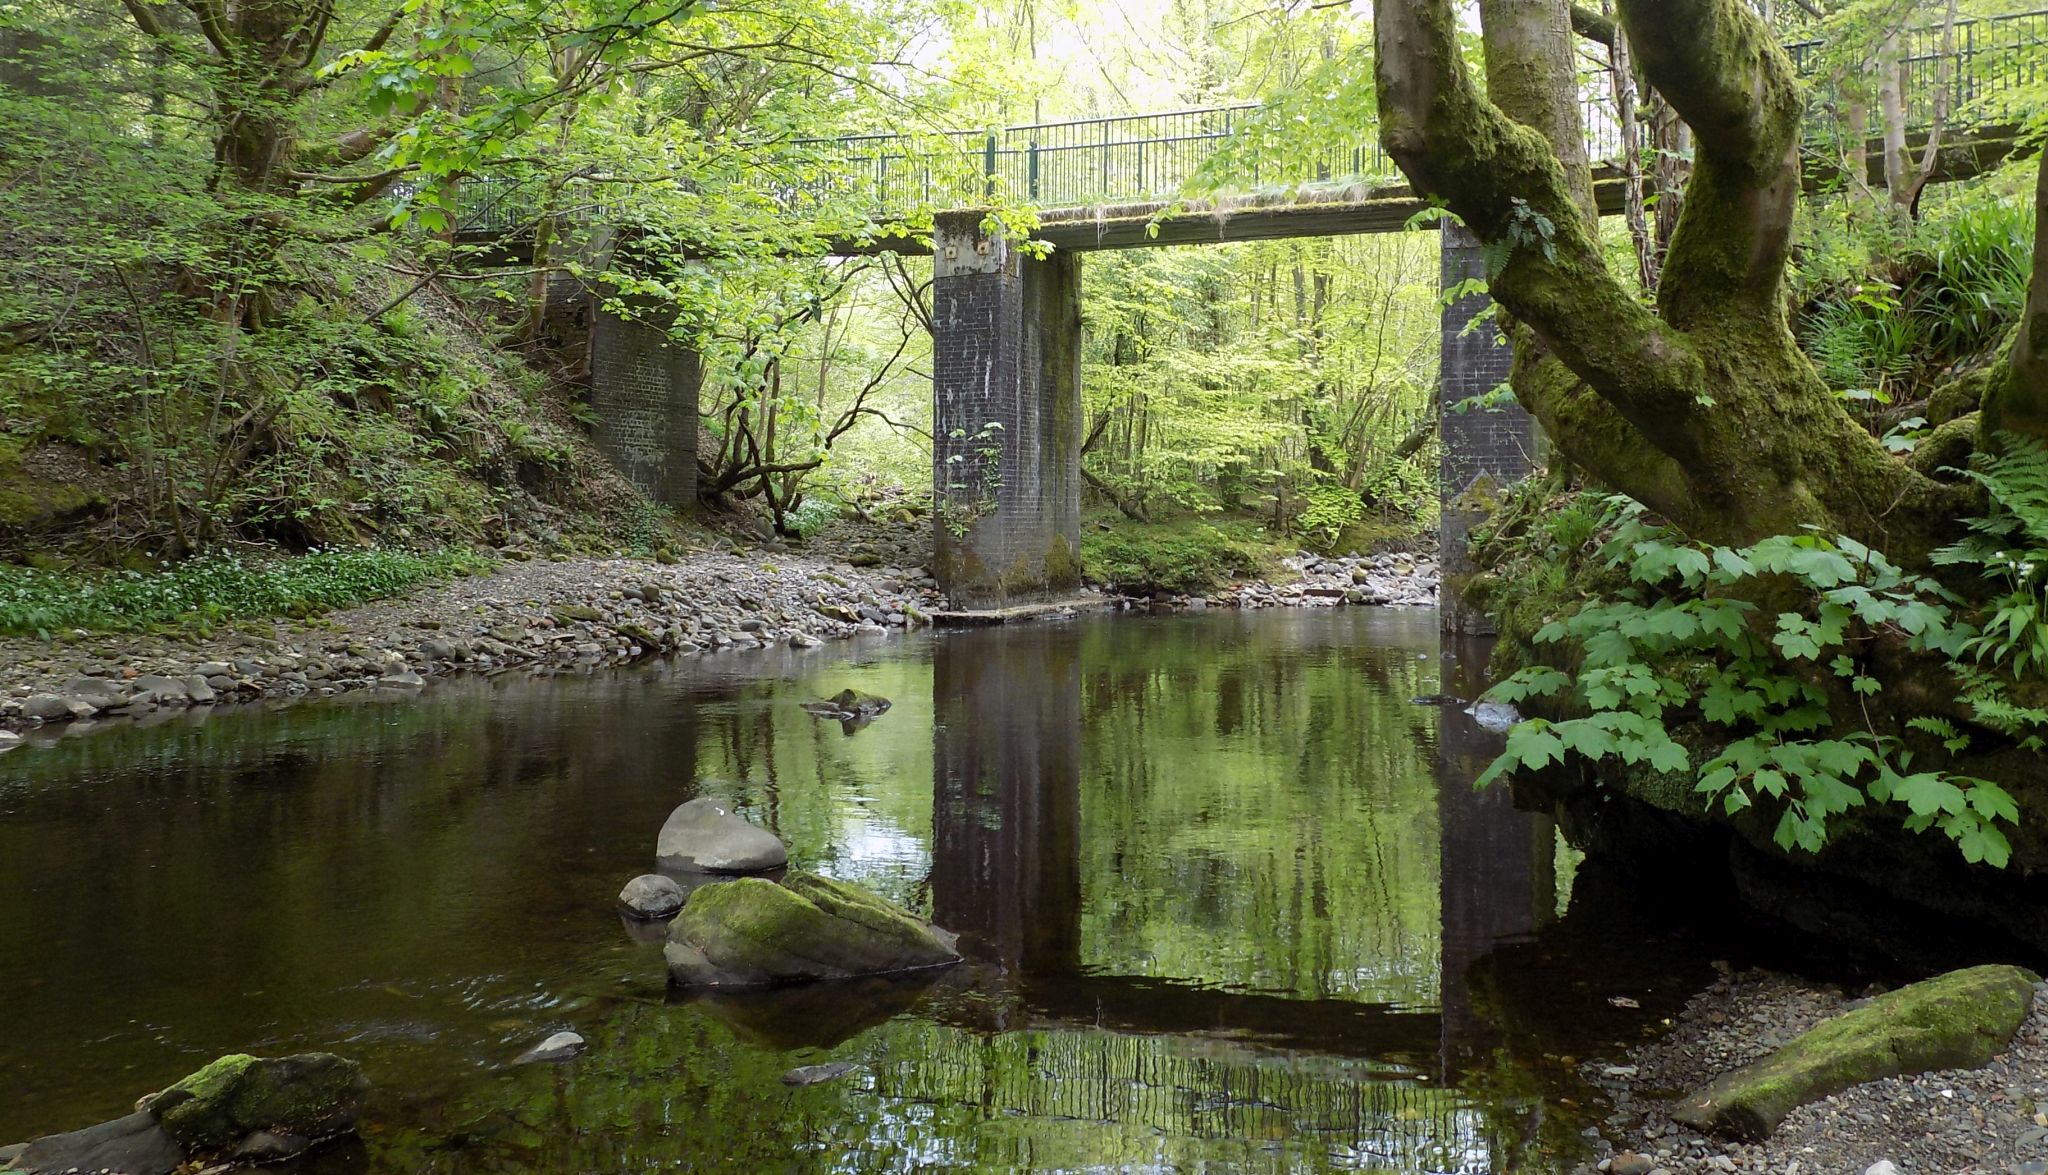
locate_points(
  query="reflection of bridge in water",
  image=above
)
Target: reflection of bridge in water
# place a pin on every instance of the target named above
(1197, 1059)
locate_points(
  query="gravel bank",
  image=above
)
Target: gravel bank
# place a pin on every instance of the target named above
(1992, 1121)
(1398, 580)
(534, 616)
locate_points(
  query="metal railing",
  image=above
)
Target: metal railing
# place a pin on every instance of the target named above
(1126, 159)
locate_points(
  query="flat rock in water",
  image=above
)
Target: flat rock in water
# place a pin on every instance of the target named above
(1955, 1021)
(705, 836)
(134, 1145)
(562, 1046)
(753, 932)
(1497, 717)
(651, 895)
(818, 1074)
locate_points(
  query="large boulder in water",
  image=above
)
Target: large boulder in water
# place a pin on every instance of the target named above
(310, 1096)
(704, 836)
(753, 932)
(1955, 1021)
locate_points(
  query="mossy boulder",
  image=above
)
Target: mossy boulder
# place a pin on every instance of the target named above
(1955, 1021)
(37, 494)
(755, 933)
(312, 1096)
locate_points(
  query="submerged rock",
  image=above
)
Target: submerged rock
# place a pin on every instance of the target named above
(651, 895)
(311, 1095)
(1954, 1021)
(562, 1046)
(704, 835)
(849, 705)
(753, 932)
(1497, 717)
(818, 1074)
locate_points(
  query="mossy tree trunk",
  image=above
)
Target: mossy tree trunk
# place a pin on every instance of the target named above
(2017, 400)
(1704, 408)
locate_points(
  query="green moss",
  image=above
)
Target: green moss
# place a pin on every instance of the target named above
(28, 502)
(1955, 1021)
(1062, 568)
(752, 931)
(312, 1095)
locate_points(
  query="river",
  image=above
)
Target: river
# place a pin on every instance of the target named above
(1229, 900)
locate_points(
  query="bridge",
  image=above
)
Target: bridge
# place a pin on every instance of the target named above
(1007, 422)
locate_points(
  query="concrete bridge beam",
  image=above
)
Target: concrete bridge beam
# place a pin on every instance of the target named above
(1006, 417)
(643, 392)
(1484, 450)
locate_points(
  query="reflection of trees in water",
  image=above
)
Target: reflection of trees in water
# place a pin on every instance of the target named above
(1086, 1094)
(673, 1087)
(1259, 803)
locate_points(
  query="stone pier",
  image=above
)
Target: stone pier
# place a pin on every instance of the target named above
(1006, 417)
(643, 391)
(1484, 450)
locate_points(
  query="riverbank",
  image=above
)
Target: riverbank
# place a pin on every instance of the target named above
(1990, 1121)
(536, 616)
(547, 615)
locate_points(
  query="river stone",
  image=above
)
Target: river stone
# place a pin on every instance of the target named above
(9, 740)
(562, 1046)
(849, 705)
(705, 836)
(134, 1145)
(97, 690)
(197, 689)
(267, 1147)
(46, 707)
(818, 1074)
(753, 932)
(1954, 1021)
(651, 895)
(163, 689)
(313, 1095)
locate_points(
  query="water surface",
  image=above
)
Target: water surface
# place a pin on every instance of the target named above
(1228, 897)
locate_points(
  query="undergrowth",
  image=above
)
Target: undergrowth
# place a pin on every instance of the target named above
(211, 589)
(1185, 555)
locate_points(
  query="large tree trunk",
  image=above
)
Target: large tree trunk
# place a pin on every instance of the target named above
(2017, 401)
(1706, 411)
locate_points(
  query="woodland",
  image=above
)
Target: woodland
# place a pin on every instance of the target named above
(1789, 548)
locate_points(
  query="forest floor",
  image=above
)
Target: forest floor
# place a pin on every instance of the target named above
(1988, 1121)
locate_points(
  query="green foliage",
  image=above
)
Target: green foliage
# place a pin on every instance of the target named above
(1181, 556)
(1684, 673)
(1893, 303)
(812, 514)
(2008, 548)
(1327, 512)
(211, 589)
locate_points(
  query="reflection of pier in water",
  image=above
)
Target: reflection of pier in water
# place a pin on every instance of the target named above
(1007, 874)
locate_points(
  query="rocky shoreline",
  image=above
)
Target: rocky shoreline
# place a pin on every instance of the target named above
(1991, 1121)
(549, 616)
(1392, 580)
(539, 616)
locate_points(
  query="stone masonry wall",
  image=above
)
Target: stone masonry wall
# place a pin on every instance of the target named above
(1006, 387)
(1484, 450)
(643, 390)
